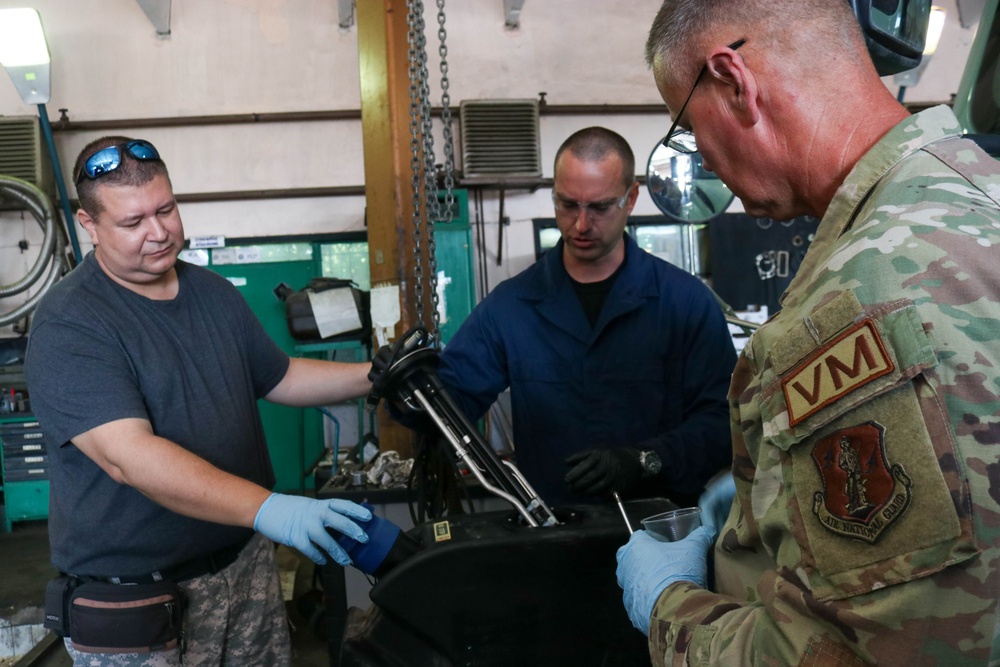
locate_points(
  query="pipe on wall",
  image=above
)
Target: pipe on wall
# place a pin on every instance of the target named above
(65, 124)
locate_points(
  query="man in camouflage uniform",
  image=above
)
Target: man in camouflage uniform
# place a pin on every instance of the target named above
(866, 413)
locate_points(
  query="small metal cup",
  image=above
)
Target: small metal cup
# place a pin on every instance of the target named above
(673, 525)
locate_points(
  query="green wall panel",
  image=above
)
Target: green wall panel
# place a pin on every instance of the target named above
(453, 246)
(294, 435)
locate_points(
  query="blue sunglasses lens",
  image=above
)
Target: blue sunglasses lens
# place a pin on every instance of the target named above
(142, 150)
(102, 162)
(110, 158)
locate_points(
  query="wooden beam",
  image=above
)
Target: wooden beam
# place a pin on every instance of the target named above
(385, 122)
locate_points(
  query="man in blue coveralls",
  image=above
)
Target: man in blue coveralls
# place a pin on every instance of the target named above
(618, 362)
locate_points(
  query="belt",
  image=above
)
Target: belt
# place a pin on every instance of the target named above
(196, 567)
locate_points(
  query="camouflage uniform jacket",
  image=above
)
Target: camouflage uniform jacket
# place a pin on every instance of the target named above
(866, 433)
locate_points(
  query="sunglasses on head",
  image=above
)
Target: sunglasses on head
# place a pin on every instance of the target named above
(108, 159)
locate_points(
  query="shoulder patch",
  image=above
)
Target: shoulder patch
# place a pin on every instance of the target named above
(848, 362)
(862, 493)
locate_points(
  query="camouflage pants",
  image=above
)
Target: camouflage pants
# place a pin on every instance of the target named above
(234, 618)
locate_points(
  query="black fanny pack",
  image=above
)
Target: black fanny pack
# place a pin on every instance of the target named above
(101, 617)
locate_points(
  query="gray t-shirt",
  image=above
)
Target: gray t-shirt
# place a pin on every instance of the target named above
(194, 366)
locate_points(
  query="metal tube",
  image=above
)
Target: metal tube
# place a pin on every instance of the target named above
(38, 204)
(621, 508)
(502, 472)
(66, 125)
(462, 453)
(43, 118)
(51, 255)
(535, 498)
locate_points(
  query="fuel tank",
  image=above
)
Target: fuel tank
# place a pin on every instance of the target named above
(486, 589)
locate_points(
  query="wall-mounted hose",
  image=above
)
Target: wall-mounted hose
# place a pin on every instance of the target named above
(52, 254)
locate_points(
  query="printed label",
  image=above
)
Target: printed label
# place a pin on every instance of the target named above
(847, 363)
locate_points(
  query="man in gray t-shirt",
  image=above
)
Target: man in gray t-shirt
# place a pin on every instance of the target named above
(145, 372)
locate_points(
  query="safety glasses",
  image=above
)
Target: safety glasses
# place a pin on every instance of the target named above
(597, 210)
(108, 159)
(678, 138)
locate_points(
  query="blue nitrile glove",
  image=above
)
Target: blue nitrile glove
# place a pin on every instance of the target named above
(716, 502)
(301, 523)
(647, 566)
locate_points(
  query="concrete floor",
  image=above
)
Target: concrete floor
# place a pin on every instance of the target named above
(25, 568)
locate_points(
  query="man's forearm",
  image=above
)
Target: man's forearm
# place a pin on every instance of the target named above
(311, 382)
(170, 475)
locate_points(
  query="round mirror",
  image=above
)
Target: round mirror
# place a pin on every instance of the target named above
(682, 189)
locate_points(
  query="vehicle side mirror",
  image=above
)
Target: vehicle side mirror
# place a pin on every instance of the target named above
(682, 189)
(895, 31)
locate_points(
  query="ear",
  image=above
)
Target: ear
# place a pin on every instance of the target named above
(725, 65)
(89, 224)
(633, 196)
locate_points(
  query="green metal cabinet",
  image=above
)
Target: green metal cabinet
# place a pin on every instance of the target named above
(294, 435)
(24, 469)
(456, 281)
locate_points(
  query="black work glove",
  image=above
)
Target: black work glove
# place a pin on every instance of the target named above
(597, 471)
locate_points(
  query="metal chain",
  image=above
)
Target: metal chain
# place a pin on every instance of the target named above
(449, 141)
(445, 212)
(423, 165)
(431, 192)
(415, 9)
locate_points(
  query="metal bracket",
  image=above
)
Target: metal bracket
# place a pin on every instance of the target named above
(346, 10)
(158, 12)
(512, 13)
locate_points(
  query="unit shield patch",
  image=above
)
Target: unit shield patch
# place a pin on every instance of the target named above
(862, 494)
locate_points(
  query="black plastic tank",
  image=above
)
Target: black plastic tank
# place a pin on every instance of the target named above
(485, 589)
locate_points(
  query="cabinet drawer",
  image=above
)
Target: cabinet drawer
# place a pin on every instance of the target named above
(24, 475)
(22, 462)
(22, 437)
(11, 450)
(11, 428)
(27, 500)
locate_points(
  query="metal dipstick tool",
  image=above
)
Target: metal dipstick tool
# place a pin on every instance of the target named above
(621, 508)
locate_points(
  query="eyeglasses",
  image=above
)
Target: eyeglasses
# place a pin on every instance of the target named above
(596, 210)
(682, 140)
(108, 159)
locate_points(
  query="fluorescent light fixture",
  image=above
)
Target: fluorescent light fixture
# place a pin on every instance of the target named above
(24, 53)
(934, 29)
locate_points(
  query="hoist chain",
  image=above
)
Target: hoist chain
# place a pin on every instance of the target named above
(449, 142)
(415, 10)
(431, 202)
(423, 158)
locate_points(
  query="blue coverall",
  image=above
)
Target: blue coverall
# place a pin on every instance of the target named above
(652, 374)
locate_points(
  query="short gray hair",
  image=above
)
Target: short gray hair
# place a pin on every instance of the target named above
(680, 24)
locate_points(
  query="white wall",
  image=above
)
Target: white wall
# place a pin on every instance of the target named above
(267, 56)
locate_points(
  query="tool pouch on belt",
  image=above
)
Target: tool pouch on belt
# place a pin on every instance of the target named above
(57, 593)
(125, 618)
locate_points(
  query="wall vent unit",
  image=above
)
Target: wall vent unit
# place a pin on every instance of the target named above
(23, 155)
(500, 139)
